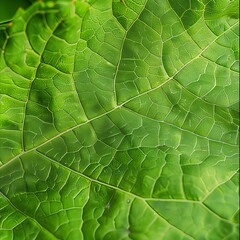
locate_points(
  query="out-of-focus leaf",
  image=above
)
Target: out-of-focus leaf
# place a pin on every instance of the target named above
(8, 8)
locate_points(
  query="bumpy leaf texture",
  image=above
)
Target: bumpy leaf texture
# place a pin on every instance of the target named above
(119, 120)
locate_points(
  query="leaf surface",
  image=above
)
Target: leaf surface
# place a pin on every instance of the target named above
(119, 120)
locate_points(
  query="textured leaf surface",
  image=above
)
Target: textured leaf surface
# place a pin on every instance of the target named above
(119, 120)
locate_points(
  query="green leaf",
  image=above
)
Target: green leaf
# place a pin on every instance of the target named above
(119, 120)
(8, 9)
